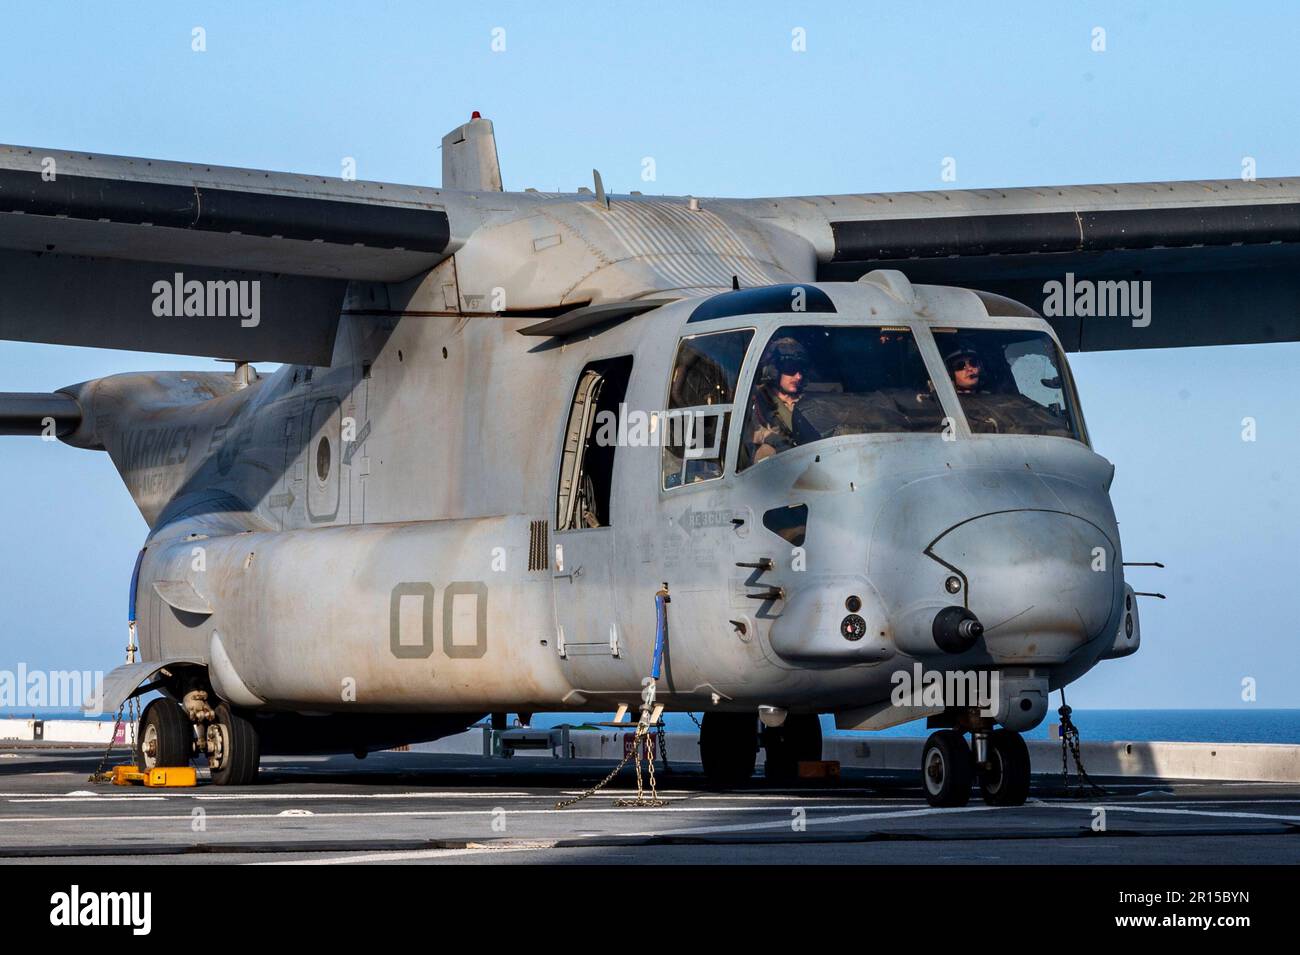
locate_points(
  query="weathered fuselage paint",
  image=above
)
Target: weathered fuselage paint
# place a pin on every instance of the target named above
(358, 537)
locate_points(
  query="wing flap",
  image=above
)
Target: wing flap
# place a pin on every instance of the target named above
(86, 240)
(1214, 262)
(154, 211)
(104, 303)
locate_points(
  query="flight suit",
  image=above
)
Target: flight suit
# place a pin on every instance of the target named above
(772, 415)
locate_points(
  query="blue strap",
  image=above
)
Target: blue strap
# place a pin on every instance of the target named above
(661, 632)
(135, 583)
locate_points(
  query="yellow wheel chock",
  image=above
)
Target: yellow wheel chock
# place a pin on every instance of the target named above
(159, 776)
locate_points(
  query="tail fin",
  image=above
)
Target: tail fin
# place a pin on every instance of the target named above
(469, 157)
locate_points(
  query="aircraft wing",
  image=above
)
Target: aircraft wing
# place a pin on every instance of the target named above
(84, 238)
(1221, 257)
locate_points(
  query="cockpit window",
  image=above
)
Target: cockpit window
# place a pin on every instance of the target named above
(823, 381)
(700, 399)
(1010, 381)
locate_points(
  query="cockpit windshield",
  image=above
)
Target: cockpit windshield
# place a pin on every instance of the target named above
(1010, 381)
(824, 381)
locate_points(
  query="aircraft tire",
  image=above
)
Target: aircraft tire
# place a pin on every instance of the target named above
(798, 740)
(728, 747)
(241, 750)
(165, 736)
(947, 769)
(1006, 781)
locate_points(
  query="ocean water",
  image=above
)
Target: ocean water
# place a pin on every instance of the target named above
(1244, 725)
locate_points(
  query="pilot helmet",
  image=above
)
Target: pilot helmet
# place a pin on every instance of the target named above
(784, 355)
(959, 352)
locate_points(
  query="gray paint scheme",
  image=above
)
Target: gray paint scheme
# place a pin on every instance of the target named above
(363, 521)
(303, 604)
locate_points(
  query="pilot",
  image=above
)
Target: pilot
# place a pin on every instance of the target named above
(967, 370)
(783, 377)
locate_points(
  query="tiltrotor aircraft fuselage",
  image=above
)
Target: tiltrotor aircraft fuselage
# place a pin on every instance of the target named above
(843, 484)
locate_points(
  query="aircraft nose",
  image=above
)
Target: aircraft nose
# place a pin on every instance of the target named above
(1041, 582)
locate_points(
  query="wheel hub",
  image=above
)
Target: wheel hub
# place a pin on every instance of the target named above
(996, 772)
(216, 740)
(149, 746)
(934, 769)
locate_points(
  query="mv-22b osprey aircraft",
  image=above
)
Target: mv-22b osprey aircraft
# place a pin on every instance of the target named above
(831, 430)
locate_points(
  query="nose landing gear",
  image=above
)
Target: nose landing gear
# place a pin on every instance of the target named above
(1000, 760)
(1004, 776)
(947, 768)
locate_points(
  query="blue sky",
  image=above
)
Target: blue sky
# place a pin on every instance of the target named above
(884, 92)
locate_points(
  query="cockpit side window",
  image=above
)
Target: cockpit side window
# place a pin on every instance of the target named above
(1010, 381)
(824, 381)
(701, 396)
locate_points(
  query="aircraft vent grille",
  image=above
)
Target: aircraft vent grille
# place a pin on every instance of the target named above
(537, 558)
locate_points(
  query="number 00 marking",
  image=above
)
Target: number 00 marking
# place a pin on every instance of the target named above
(426, 594)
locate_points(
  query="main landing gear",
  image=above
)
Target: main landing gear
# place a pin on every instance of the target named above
(165, 737)
(729, 745)
(999, 759)
(172, 734)
(797, 740)
(232, 748)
